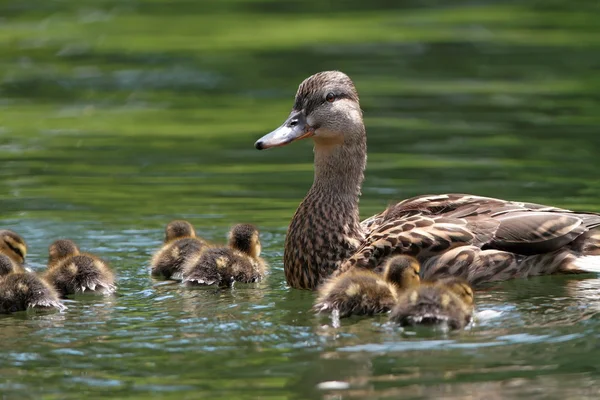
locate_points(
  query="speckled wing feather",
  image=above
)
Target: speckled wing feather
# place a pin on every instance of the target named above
(427, 226)
(419, 235)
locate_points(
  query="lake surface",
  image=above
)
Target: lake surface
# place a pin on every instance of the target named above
(118, 116)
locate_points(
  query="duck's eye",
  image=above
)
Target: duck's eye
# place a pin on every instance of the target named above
(330, 97)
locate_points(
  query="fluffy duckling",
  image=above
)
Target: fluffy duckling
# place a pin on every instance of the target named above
(239, 262)
(447, 301)
(20, 291)
(180, 244)
(364, 292)
(71, 271)
(13, 245)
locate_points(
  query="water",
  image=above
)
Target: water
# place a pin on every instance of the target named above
(118, 116)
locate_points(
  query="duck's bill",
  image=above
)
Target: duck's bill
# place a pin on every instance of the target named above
(294, 128)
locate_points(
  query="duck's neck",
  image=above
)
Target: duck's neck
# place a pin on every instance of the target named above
(326, 228)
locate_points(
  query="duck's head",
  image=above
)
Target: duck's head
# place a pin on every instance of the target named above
(459, 287)
(245, 238)
(13, 245)
(179, 229)
(403, 271)
(60, 249)
(7, 265)
(326, 108)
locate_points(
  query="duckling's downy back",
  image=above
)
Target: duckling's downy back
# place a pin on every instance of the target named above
(20, 291)
(81, 273)
(432, 304)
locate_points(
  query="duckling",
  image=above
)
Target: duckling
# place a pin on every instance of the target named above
(239, 262)
(447, 301)
(13, 245)
(71, 271)
(364, 292)
(20, 291)
(180, 243)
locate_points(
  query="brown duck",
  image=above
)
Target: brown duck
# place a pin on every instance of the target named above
(179, 245)
(447, 302)
(239, 261)
(20, 291)
(71, 271)
(480, 239)
(363, 292)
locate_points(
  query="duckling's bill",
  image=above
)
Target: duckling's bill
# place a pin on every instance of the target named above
(294, 128)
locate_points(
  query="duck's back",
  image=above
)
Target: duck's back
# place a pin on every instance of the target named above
(79, 274)
(169, 260)
(222, 266)
(20, 291)
(356, 292)
(245, 269)
(431, 305)
(478, 238)
(210, 267)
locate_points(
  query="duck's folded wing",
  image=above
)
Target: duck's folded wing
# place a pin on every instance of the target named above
(534, 232)
(454, 205)
(414, 234)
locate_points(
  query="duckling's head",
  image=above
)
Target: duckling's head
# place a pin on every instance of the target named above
(13, 245)
(245, 238)
(403, 271)
(459, 287)
(326, 108)
(7, 265)
(179, 229)
(60, 249)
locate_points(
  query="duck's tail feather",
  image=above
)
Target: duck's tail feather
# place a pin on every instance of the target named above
(199, 281)
(588, 263)
(98, 287)
(177, 276)
(48, 303)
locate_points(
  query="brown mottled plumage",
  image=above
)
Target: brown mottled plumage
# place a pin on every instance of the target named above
(478, 238)
(364, 292)
(446, 301)
(223, 266)
(70, 271)
(20, 291)
(13, 245)
(180, 244)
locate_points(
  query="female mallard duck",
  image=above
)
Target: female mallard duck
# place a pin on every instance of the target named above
(13, 245)
(180, 244)
(447, 302)
(238, 262)
(71, 271)
(20, 291)
(364, 292)
(478, 238)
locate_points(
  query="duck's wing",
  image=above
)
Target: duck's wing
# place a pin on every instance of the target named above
(428, 225)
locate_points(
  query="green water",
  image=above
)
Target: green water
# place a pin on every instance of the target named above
(117, 116)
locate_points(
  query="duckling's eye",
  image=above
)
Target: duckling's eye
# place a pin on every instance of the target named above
(330, 97)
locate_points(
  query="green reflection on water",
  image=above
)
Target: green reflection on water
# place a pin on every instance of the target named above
(118, 116)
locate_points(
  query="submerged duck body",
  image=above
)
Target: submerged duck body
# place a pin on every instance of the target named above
(364, 292)
(70, 271)
(240, 261)
(180, 244)
(480, 239)
(20, 291)
(447, 302)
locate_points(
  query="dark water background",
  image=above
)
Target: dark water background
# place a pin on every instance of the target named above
(117, 116)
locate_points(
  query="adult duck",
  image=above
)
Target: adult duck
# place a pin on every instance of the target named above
(477, 238)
